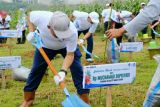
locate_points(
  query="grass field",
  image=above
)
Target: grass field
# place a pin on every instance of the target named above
(48, 95)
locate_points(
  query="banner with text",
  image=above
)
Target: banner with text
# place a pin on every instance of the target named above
(10, 62)
(108, 74)
(10, 34)
(131, 47)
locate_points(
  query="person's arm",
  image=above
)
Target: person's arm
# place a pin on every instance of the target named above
(87, 35)
(68, 61)
(148, 15)
(32, 28)
(91, 31)
(71, 45)
(152, 26)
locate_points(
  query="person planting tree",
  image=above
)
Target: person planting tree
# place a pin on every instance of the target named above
(59, 36)
(86, 24)
(145, 17)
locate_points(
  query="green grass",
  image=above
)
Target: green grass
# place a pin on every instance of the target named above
(49, 95)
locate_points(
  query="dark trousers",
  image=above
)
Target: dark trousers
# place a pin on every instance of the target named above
(106, 24)
(152, 34)
(89, 42)
(23, 39)
(3, 40)
(144, 31)
(39, 67)
(119, 39)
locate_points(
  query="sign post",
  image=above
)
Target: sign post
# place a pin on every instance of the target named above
(8, 62)
(131, 47)
(7, 34)
(109, 74)
(10, 34)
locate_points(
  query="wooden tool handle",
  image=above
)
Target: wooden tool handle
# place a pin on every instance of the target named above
(62, 85)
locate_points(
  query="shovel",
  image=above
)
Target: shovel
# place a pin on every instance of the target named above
(156, 33)
(85, 50)
(72, 100)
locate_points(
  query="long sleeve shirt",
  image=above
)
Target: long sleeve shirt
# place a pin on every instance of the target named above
(147, 16)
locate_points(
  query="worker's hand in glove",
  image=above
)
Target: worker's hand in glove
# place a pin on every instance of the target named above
(60, 77)
(81, 42)
(30, 37)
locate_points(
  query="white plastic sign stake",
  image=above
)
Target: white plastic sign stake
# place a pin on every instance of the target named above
(131, 47)
(10, 62)
(10, 33)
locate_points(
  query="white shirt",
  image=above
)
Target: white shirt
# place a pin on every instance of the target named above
(115, 18)
(106, 14)
(6, 23)
(126, 15)
(22, 24)
(82, 23)
(41, 20)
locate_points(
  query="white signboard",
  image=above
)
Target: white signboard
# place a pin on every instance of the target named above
(10, 33)
(109, 74)
(10, 62)
(131, 47)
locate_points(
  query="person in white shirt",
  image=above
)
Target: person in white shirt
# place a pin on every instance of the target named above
(125, 17)
(116, 22)
(59, 36)
(147, 16)
(4, 23)
(142, 6)
(22, 26)
(106, 15)
(86, 24)
(119, 19)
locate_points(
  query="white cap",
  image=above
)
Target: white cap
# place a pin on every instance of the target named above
(94, 17)
(107, 5)
(114, 18)
(75, 13)
(60, 23)
(143, 3)
(79, 14)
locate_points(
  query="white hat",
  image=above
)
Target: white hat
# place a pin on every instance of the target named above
(60, 23)
(107, 5)
(79, 14)
(94, 17)
(143, 3)
(75, 13)
(114, 18)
